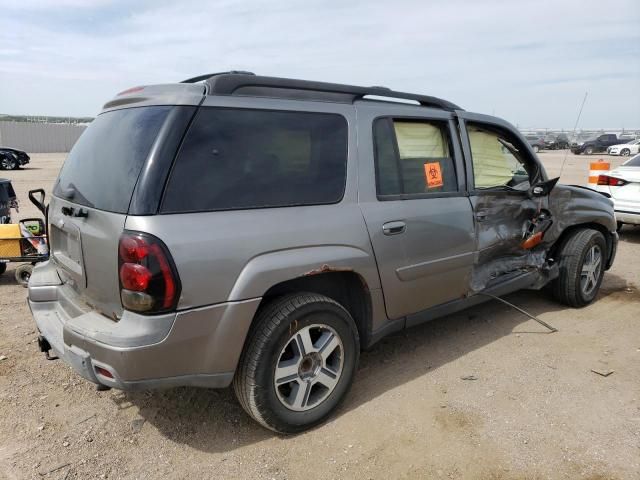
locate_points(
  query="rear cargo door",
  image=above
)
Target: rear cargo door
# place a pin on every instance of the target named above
(91, 199)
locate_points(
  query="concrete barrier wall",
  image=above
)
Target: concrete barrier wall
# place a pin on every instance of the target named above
(39, 137)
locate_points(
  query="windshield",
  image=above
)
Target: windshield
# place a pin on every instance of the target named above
(632, 142)
(103, 166)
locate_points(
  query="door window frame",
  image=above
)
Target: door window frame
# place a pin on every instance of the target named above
(454, 151)
(518, 141)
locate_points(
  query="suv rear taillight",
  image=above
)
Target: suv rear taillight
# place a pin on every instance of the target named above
(149, 282)
(611, 181)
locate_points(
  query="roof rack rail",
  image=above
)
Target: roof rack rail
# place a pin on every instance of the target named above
(206, 76)
(247, 83)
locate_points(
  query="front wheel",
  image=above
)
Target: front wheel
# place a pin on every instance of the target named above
(3, 268)
(299, 362)
(625, 152)
(582, 259)
(588, 150)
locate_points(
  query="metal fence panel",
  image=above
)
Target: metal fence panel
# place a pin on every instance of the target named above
(39, 137)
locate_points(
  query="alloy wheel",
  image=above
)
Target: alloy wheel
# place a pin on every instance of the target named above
(591, 268)
(309, 367)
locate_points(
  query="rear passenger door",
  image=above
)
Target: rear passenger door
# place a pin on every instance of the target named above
(412, 195)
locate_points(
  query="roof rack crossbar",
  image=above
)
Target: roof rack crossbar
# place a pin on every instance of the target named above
(228, 83)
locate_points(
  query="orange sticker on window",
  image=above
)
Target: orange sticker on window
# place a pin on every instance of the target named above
(433, 174)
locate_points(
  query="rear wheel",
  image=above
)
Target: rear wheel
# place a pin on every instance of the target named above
(299, 362)
(23, 274)
(582, 259)
(3, 268)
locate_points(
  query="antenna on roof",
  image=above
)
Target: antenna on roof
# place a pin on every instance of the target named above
(574, 131)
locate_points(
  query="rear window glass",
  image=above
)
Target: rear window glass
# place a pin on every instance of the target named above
(239, 158)
(102, 169)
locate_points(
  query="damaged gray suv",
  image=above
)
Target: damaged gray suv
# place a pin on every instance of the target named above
(260, 232)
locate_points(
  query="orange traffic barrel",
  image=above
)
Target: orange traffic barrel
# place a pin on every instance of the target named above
(596, 169)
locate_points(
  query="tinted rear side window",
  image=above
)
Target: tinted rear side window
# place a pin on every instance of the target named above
(237, 158)
(102, 169)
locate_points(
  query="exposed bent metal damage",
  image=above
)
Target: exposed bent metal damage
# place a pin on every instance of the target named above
(521, 248)
(325, 269)
(484, 274)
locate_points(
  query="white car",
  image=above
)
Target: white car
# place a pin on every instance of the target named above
(623, 184)
(625, 149)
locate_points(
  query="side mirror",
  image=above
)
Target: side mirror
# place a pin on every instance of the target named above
(542, 189)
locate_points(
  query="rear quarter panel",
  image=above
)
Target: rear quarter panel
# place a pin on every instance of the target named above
(237, 255)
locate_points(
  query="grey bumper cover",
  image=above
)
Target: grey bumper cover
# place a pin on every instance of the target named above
(199, 347)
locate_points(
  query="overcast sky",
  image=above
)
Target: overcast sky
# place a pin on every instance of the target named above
(530, 62)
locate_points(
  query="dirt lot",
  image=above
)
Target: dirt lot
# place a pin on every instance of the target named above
(535, 410)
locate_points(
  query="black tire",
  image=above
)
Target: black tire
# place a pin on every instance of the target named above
(568, 287)
(23, 274)
(625, 152)
(7, 162)
(3, 268)
(619, 226)
(275, 324)
(588, 150)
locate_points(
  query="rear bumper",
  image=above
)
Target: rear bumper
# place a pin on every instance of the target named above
(198, 347)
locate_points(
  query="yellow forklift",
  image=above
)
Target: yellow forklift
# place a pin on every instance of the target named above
(24, 242)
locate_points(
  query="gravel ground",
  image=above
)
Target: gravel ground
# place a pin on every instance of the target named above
(534, 410)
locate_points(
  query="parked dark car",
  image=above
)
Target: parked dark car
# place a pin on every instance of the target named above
(556, 142)
(537, 143)
(597, 144)
(12, 159)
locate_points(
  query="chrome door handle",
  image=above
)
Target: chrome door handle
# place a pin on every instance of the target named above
(394, 228)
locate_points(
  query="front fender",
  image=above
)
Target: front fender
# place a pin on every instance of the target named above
(266, 270)
(572, 205)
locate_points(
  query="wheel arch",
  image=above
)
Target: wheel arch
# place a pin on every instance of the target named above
(567, 232)
(348, 288)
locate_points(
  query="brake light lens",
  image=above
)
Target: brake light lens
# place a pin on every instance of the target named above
(133, 249)
(135, 277)
(611, 181)
(149, 282)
